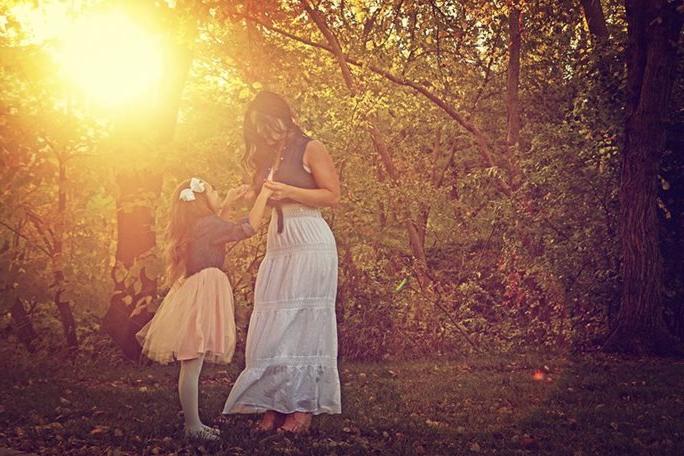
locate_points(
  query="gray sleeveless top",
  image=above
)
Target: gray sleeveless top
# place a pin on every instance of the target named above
(291, 172)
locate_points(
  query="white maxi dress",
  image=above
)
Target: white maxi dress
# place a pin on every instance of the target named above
(291, 352)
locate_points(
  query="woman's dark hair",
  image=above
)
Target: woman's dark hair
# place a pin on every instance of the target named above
(268, 120)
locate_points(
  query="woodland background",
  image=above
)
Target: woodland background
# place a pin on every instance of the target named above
(483, 148)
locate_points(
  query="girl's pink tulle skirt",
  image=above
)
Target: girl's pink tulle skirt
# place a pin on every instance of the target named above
(196, 318)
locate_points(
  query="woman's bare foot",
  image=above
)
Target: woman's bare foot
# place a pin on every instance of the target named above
(297, 422)
(270, 421)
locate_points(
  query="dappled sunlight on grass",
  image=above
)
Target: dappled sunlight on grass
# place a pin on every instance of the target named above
(486, 403)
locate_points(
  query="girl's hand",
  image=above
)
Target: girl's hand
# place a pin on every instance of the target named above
(235, 194)
(280, 191)
(266, 192)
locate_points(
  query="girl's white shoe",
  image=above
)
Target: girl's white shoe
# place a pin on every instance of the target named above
(203, 433)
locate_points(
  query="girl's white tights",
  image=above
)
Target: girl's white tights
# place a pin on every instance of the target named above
(188, 386)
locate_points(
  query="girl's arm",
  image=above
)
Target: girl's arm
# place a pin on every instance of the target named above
(256, 214)
(325, 175)
(224, 230)
(234, 195)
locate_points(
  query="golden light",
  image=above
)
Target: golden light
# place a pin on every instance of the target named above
(538, 375)
(110, 58)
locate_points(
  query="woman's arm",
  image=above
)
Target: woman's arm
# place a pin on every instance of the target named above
(322, 167)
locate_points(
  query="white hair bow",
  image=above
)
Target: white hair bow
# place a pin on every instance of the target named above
(187, 195)
(196, 186)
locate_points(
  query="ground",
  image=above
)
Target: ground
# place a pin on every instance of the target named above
(504, 404)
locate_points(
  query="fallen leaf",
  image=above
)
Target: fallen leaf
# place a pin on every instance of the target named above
(97, 430)
(527, 441)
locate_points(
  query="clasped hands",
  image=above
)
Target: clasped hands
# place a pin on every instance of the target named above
(275, 190)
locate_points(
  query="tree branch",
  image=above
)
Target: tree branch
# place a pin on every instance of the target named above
(483, 142)
(26, 238)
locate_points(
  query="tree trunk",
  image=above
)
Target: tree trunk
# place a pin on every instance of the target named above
(23, 325)
(593, 13)
(133, 274)
(513, 80)
(257, 68)
(512, 98)
(134, 286)
(66, 316)
(653, 33)
(672, 224)
(415, 239)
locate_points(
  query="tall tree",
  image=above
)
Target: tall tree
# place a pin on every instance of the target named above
(512, 85)
(596, 20)
(134, 272)
(63, 305)
(653, 32)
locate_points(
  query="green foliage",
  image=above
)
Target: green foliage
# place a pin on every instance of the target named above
(537, 267)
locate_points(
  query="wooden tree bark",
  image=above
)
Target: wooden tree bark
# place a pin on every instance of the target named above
(653, 33)
(257, 68)
(593, 13)
(134, 287)
(437, 174)
(513, 80)
(596, 21)
(66, 316)
(414, 237)
(512, 98)
(23, 325)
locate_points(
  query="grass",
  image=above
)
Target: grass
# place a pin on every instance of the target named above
(505, 404)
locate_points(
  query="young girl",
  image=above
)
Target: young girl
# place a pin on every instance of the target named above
(195, 320)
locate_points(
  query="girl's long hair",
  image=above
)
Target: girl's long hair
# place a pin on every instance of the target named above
(268, 120)
(178, 231)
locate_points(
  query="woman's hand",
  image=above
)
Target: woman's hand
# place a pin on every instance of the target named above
(279, 190)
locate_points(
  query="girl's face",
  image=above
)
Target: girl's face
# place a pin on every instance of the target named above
(213, 198)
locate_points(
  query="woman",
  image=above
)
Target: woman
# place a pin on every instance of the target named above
(291, 354)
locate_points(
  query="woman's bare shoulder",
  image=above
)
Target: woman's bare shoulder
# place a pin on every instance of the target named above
(315, 149)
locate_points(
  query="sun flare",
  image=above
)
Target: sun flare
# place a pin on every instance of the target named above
(110, 58)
